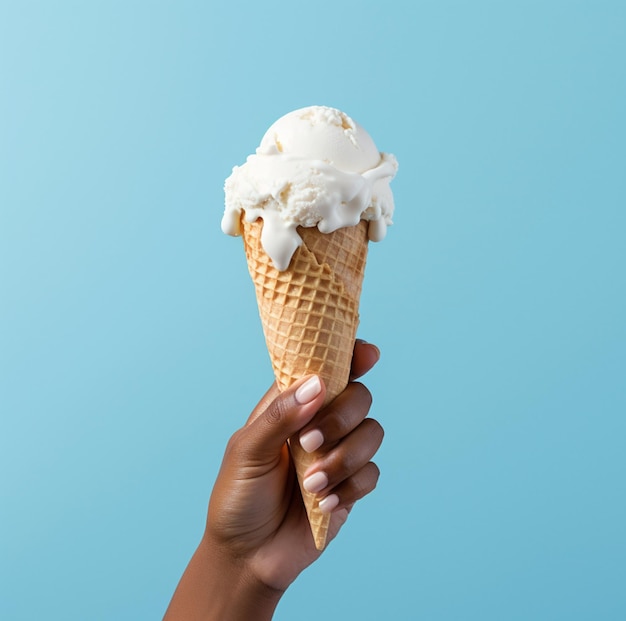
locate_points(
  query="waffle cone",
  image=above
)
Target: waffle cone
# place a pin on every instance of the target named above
(310, 313)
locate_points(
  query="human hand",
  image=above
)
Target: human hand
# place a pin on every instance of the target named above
(256, 510)
(257, 539)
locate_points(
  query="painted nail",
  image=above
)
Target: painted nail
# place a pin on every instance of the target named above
(309, 390)
(311, 440)
(329, 503)
(316, 482)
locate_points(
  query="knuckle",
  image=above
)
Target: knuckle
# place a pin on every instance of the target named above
(363, 393)
(234, 446)
(349, 462)
(277, 412)
(368, 480)
(364, 482)
(336, 426)
(376, 474)
(374, 430)
(233, 441)
(359, 489)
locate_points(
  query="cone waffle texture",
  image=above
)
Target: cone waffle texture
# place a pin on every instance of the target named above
(310, 313)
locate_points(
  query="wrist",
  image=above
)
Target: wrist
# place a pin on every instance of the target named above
(237, 582)
(217, 586)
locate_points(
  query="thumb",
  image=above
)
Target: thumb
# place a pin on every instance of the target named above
(291, 410)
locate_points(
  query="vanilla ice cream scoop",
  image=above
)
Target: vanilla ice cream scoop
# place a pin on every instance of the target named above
(314, 167)
(321, 133)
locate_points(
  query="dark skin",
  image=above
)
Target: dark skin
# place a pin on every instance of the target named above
(257, 538)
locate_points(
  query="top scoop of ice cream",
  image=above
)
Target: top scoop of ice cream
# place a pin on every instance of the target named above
(321, 133)
(314, 167)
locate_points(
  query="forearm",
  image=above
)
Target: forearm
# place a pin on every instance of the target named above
(214, 588)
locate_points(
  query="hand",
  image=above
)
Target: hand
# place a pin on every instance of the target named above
(256, 510)
(257, 539)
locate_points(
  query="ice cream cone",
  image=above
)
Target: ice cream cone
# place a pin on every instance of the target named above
(316, 170)
(310, 314)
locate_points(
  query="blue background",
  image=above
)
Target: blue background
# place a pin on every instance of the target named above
(130, 346)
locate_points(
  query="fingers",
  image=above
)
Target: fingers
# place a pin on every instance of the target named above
(346, 442)
(338, 419)
(346, 473)
(278, 416)
(264, 437)
(352, 489)
(365, 356)
(352, 454)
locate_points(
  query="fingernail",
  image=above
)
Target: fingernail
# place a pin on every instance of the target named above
(309, 390)
(315, 483)
(311, 440)
(329, 503)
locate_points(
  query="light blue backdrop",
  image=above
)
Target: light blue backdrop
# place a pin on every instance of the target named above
(130, 347)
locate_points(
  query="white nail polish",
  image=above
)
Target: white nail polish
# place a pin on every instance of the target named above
(311, 440)
(315, 483)
(309, 390)
(329, 503)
